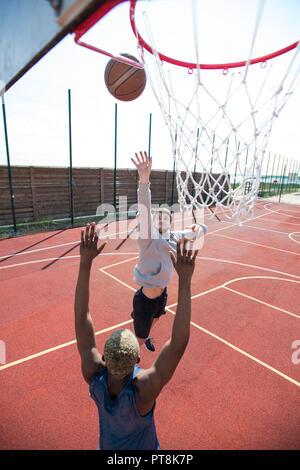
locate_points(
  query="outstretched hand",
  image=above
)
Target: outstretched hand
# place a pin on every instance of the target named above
(88, 245)
(184, 264)
(143, 165)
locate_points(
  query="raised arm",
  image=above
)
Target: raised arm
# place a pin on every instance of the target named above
(91, 361)
(157, 376)
(144, 165)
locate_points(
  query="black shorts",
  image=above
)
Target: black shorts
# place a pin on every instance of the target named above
(145, 310)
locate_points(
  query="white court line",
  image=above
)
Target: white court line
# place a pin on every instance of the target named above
(39, 249)
(76, 256)
(257, 244)
(38, 261)
(221, 339)
(60, 258)
(277, 211)
(249, 266)
(169, 309)
(281, 221)
(213, 259)
(60, 346)
(225, 284)
(265, 229)
(244, 353)
(262, 302)
(291, 238)
(113, 277)
(116, 279)
(56, 246)
(111, 235)
(288, 215)
(70, 257)
(200, 257)
(120, 262)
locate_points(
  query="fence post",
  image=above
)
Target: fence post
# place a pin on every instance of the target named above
(196, 154)
(282, 180)
(166, 185)
(277, 172)
(33, 194)
(212, 153)
(173, 177)
(295, 176)
(149, 142)
(288, 177)
(236, 166)
(12, 196)
(271, 179)
(115, 158)
(71, 163)
(267, 169)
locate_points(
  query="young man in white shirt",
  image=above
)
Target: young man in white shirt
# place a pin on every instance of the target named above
(154, 270)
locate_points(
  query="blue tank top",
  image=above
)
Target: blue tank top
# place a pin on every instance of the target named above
(121, 425)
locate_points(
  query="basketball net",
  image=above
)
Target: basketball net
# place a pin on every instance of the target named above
(221, 136)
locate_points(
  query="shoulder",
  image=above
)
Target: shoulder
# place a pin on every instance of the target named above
(177, 234)
(145, 391)
(101, 373)
(146, 383)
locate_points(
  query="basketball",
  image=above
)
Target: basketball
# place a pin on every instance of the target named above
(124, 82)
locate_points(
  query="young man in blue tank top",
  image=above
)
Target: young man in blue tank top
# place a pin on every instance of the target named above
(154, 270)
(124, 393)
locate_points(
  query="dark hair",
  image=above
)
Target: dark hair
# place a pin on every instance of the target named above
(162, 210)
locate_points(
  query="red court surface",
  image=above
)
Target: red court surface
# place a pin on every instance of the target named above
(237, 385)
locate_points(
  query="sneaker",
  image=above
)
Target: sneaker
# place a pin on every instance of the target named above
(149, 345)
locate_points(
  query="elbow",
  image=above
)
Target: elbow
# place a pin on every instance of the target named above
(180, 346)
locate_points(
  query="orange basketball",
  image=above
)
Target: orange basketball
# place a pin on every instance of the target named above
(125, 82)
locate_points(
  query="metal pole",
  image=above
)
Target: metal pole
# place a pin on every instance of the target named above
(265, 184)
(282, 180)
(287, 178)
(297, 177)
(196, 152)
(226, 154)
(149, 144)
(212, 153)
(71, 163)
(195, 163)
(290, 178)
(277, 172)
(12, 196)
(173, 178)
(271, 179)
(246, 162)
(295, 169)
(280, 176)
(115, 158)
(236, 167)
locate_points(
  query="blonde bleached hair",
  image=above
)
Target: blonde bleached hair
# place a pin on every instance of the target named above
(121, 352)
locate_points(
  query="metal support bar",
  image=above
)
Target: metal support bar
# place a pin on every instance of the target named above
(12, 196)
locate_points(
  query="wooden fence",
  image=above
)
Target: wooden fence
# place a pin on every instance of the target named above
(44, 192)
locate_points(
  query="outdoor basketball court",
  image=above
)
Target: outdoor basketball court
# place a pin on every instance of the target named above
(237, 386)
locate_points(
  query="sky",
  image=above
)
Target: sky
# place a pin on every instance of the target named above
(37, 105)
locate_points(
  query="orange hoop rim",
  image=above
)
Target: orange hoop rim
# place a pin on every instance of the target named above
(191, 65)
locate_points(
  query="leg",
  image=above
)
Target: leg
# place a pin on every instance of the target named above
(160, 304)
(155, 320)
(143, 313)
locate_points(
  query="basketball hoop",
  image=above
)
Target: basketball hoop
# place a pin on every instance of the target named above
(226, 147)
(219, 138)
